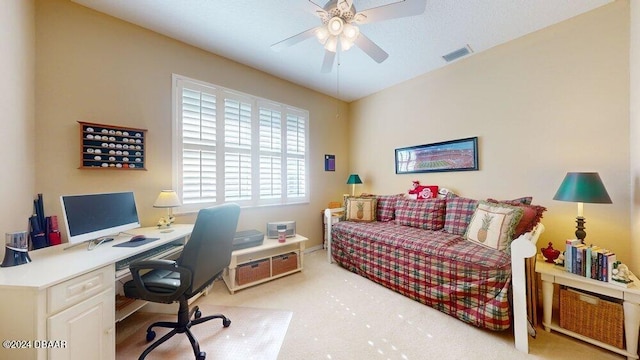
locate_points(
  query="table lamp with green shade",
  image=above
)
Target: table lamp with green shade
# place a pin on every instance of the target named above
(582, 187)
(353, 180)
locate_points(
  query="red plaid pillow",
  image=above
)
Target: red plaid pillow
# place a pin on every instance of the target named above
(530, 217)
(458, 215)
(387, 206)
(425, 214)
(525, 200)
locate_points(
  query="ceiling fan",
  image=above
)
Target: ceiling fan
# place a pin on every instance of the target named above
(339, 29)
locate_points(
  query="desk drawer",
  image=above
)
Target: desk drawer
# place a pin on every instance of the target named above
(73, 291)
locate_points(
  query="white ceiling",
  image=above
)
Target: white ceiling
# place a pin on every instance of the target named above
(244, 30)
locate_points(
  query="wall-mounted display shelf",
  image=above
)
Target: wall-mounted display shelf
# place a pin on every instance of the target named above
(112, 147)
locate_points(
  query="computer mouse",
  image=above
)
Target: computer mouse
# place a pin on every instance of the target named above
(137, 238)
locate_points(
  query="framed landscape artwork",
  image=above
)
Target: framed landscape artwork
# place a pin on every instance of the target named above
(454, 155)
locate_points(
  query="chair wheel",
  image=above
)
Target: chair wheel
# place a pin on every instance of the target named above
(197, 314)
(201, 356)
(151, 335)
(226, 322)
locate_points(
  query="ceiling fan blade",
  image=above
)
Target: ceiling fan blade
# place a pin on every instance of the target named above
(344, 5)
(391, 11)
(316, 9)
(371, 48)
(313, 7)
(294, 39)
(327, 63)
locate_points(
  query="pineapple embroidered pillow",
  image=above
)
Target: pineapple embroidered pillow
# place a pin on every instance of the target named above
(361, 209)
(492, 225)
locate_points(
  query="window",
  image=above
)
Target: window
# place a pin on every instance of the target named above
(233, 147)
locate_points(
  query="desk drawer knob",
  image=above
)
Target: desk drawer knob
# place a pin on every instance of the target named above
(88, 286)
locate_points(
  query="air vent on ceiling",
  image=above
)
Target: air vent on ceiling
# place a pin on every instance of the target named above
(457, 54)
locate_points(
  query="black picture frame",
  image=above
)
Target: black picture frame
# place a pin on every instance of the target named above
(453, 155)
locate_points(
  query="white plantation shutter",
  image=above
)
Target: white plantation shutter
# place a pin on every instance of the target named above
(198, 123)
(199, 176)
(270, 153)
(237, 143)
(237, 124)
(232, 147)
(296, 156)
(237, 175)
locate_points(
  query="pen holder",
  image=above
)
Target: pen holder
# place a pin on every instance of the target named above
(16, 249)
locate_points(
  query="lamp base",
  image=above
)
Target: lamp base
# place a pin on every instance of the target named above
(166, 230)
(580, 233)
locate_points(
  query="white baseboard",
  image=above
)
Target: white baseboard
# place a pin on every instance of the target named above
(312, 249)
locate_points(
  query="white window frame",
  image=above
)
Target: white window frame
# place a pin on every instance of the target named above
(220, 93)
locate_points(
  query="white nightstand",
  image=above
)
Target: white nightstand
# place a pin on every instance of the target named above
(552, 274)
(334, 219)
(335, 214)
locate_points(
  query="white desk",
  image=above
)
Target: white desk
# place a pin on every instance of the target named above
(67, 297)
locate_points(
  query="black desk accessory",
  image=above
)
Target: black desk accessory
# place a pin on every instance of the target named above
(16, 249)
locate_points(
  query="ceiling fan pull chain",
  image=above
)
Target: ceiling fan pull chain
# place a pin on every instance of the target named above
(338, 86)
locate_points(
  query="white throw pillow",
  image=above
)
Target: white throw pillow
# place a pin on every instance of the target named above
(361, 209)
(492, 225)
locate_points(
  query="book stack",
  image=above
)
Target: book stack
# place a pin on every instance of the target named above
(588, 260)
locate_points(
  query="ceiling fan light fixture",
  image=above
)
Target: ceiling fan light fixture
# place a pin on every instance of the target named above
(335, 25)
(322, 34)
(350, 32)
(345, 44)
(331, 44)
(340, 24)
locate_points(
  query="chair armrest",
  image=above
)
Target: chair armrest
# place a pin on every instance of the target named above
(153, 264)
(160, 264)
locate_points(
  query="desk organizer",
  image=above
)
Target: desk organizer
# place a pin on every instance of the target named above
(112, 147)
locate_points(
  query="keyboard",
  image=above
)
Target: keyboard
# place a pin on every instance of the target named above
(155, 253)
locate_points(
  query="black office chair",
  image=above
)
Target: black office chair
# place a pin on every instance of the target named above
(204, 257)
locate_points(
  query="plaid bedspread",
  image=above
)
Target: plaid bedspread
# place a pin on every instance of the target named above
(444, 271)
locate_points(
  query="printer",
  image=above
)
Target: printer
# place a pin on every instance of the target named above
(247, 238)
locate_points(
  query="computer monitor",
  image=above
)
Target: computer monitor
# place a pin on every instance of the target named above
(92, 216)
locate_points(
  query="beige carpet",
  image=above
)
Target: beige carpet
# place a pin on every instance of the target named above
(338, 315)
(254, 334)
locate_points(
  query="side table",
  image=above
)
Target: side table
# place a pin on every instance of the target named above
(269, 250)
(552, 274)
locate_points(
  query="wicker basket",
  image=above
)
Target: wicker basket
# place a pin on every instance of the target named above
(284, 263)
(252, 271)
(592, 316)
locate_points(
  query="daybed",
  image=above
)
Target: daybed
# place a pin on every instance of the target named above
(429, 250)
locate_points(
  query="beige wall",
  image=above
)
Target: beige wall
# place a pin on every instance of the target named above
(17, 177)
(542, 105)
(550, 102)
(95, 68)
(634, 137)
